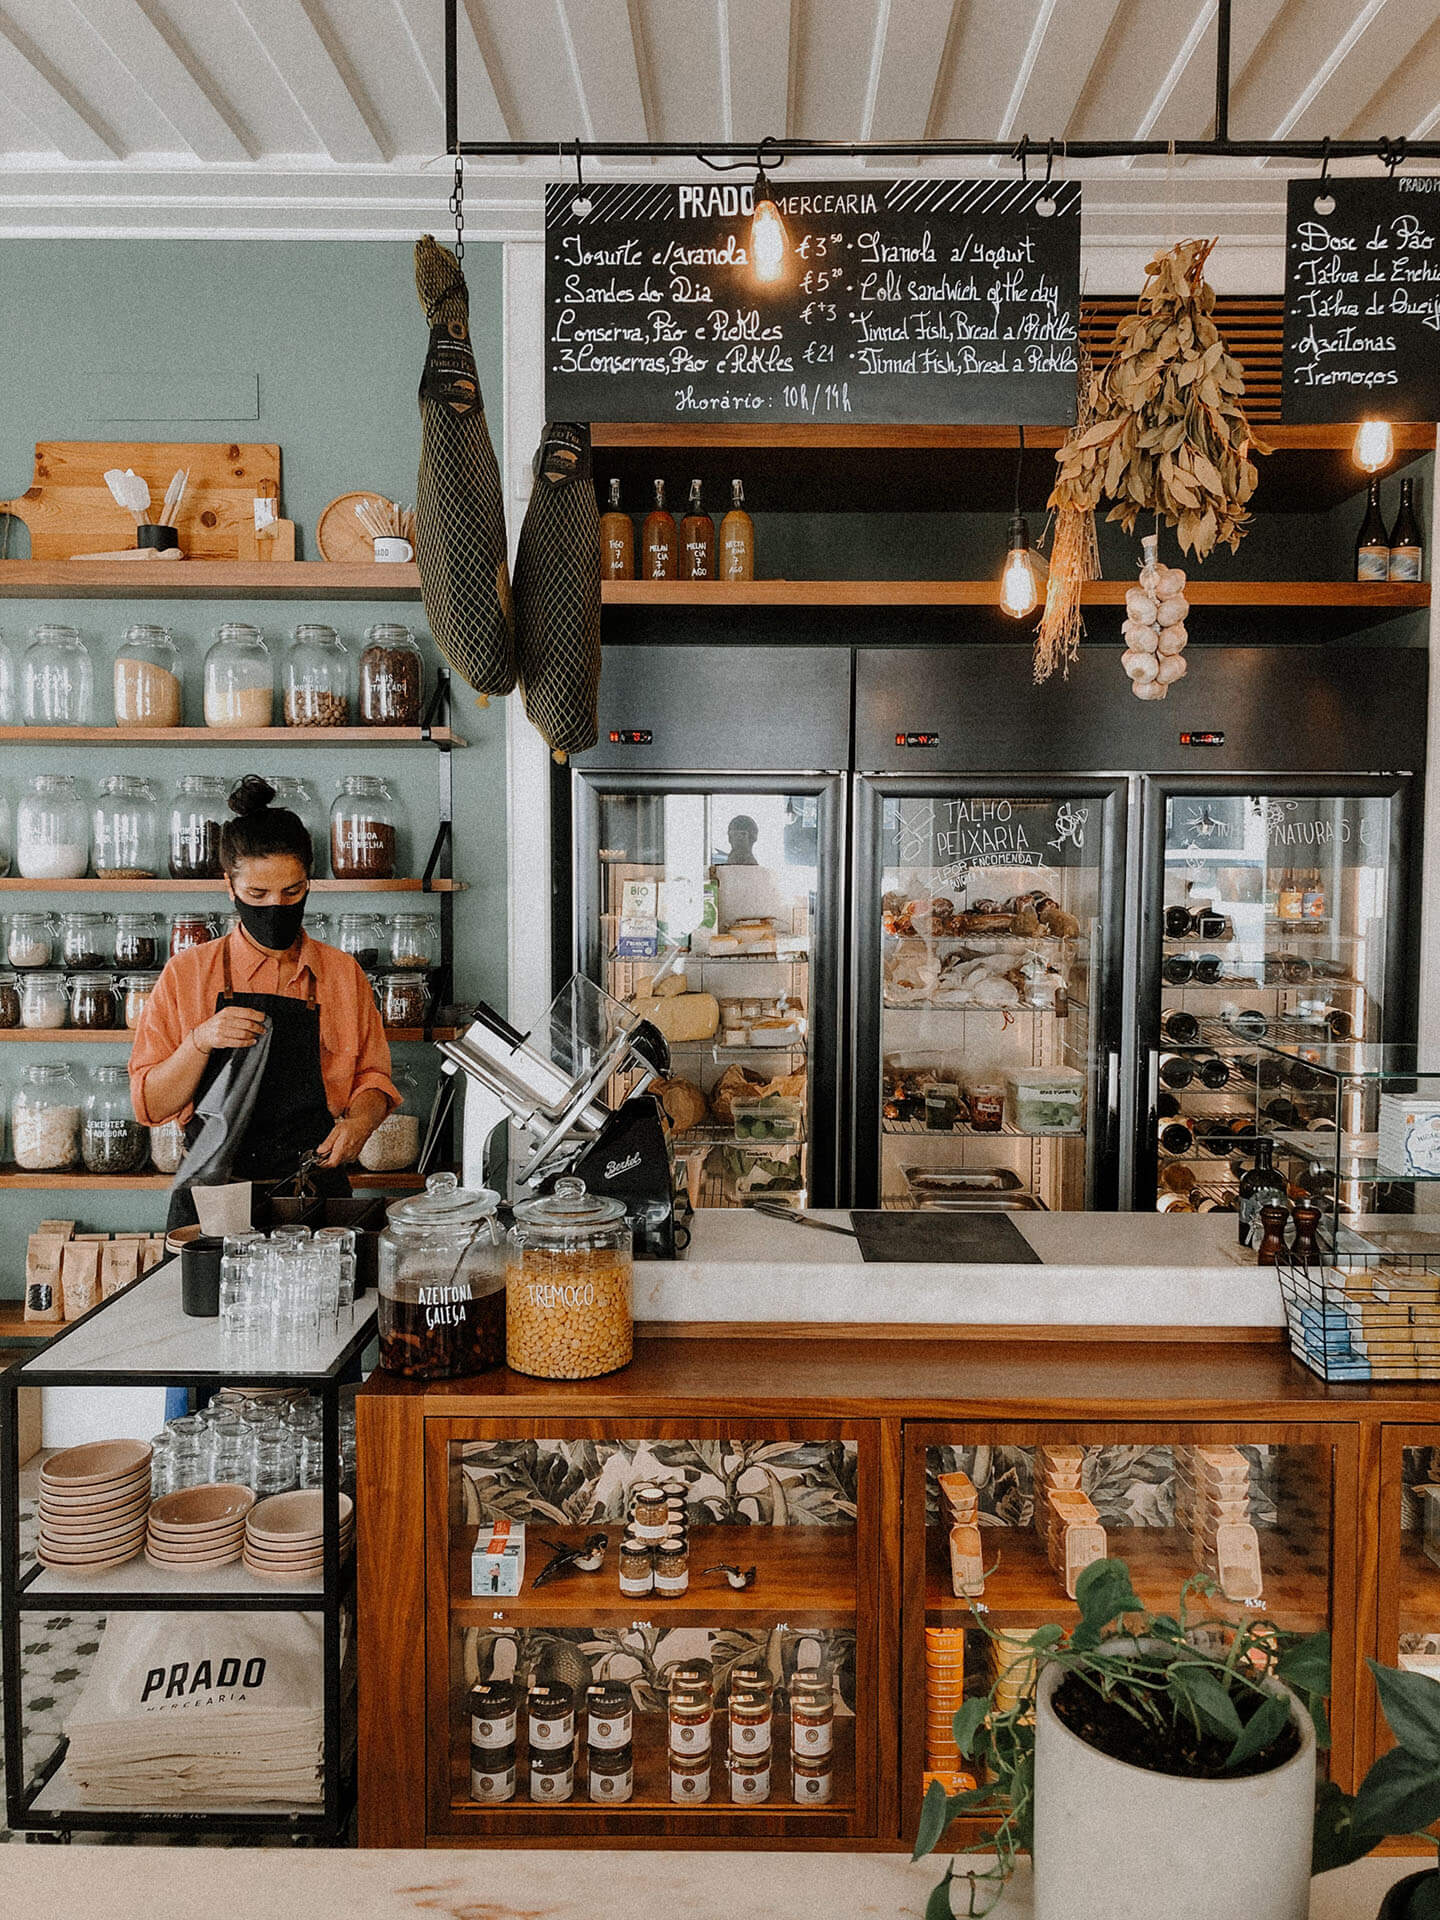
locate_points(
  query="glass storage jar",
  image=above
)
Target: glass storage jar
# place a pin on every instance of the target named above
(9, 685)
(198, 810)
(148, 682)
(43, 1000)
(86, 940)
(239, 678)
(315, 676)
(139, 940)
(137, 989)
(45, 1119)
(32, 940)
(7, 837)
(359, 935)
(190, 930)
(317, 925)
(92, 1002)
(112, 1140)
(57, 680)
(441, 1283)
(125, 829)
(392, 678)
(9, 1001)
(568, 1285)
(167, 1146)
(299, 798)
(414, 941)
(395, 1143)
(364, 829)
(404, 999)
(52, 830)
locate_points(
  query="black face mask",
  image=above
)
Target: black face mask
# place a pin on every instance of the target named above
(277, 928)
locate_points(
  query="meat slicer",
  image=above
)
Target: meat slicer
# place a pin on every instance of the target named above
(546, 1090)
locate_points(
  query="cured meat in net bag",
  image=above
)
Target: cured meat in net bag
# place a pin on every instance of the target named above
(459, 507)
(557, 594)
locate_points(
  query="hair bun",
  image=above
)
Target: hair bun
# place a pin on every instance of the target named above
(253, 795)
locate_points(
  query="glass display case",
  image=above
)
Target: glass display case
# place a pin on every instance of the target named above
(1408, 1586)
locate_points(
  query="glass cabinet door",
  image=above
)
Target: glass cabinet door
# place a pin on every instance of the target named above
(1408, 1626)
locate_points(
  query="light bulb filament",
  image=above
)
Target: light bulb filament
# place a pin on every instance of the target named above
(1019, 592)
(1374, 445)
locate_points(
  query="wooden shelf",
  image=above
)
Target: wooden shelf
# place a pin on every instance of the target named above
(805, 1576)
(11, 1177)
(14, 884)
(231, 736)
(1400, 598)
(606, 436)
(204, 580)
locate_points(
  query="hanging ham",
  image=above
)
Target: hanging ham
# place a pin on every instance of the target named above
(557, 594)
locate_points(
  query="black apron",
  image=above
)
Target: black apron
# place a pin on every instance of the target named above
(292, 1115)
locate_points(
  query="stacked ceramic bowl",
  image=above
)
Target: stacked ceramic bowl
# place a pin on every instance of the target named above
(199, 1527)
(283, 1535)
(93, 1501)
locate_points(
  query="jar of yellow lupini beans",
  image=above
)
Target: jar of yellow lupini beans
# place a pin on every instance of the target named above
(568, 1285)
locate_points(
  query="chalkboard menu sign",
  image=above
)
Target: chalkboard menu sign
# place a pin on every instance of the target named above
(954, 837)
(904, 301)
(1362, 300)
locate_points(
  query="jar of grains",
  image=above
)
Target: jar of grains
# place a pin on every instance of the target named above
(441, 1283)
(138, 940)
(125, 829)
(52, 829)
(395, 1143)
(45, 1119)
(359, 935)
(86, 940)
(568, 1309)
(198, 810)
(404, 999)
(364, 829)
(315, 675)
(189, 930)
(414, 941)
(112, 1140)
(57, 681)
(297, 796)
(167, 1146)
(137, 989)
(32, 940)
(239, 678)
(9, 1000)
(43, 1000)
(92, 1002)
(392, 674)
(149, 688)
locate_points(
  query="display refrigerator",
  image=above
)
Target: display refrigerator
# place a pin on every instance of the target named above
(707, 831)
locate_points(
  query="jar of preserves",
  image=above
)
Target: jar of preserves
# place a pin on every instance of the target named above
(493, 1713)
(442, 1283)
(86, 940)
(395, 1143)
(492, 1775)
(52, 829)
(9, 1001)
(749, 1778)
(315, 676)
(568, 1313)
(45, 1119)
(32, 940)
(552, 1775)
(57, 681)
(365, 821)
(689, 1777)
(751, 1711)
(691, 1713)
(149, 684)
(139, 940)
(611, 1773)
(167, 1146)
(550, 1711)
(199, 808)
(239, 678)
(125, 829)
(137, 989)
(92, 1002)
(404, 999)
(392, 677)
(43, 1000)
(609, 1716)
(812, 1778)
(637, 1569)
(414, 942)
(360, 935)
(812, 1711)
(297, 796)
(672, 1568)
(190, 930)
(112, 1140)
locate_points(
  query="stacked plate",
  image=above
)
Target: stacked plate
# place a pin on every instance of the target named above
(93, 1501)
(283, 1537)
(198, 1527)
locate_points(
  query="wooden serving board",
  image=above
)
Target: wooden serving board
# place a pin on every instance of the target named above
(69, 510)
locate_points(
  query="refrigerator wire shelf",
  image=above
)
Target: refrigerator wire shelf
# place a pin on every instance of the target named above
(714, 1133)
(1221, 1035)
(917, 1130)
(1364, 1316)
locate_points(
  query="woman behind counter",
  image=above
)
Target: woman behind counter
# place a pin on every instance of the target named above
(326, 1084)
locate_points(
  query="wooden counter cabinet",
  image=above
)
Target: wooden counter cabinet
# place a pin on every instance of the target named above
(1407, 1588)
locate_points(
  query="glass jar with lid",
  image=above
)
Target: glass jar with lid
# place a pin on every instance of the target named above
(315, 674)
(139, 940)
(137, 989)
(441, 1283)
(198, 810)
(9, 685)
(87, 940)
(404, 999)
(57, 680)
(392, 677)
(9, 1000)
(112, 1140)
(190, 929)
(44, 1001)
(167, 1146)
(92, 1002)
(317, 925)
(148, 681)
(45, 1119)
(239, 678)
(32, 940)
(568, 1285)
(414, 941)
(52, 829)
(395, 1143)
(360, 935)
(125, 829)
(7, 837)
(365, 822)
(297, 796)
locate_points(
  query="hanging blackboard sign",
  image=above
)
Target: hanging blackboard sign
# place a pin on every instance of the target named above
(958, 836)
(1362, 300)
(904, 301)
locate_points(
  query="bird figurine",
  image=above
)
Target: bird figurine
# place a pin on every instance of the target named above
(739, 1577)
(588, 1557)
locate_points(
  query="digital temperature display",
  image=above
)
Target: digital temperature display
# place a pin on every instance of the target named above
(631, 737)
(1202, 739)
(917, 739)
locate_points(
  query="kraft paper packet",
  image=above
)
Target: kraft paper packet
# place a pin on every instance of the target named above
(119, 1265)
(80, 1277)
(43, 1254)
(62, 1229)
(155, 1253)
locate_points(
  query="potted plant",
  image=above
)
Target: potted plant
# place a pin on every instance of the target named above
(1399, 1795)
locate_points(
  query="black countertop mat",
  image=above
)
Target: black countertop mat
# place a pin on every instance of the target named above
(938, 1239)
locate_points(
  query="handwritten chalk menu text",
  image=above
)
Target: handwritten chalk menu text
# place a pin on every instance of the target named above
(903, 301)
(1362, 300)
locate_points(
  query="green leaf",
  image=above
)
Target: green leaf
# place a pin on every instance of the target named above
(1044, 1637)
(1104, 1591)
(934, 1818)
(938, 1906)
(1211, 1702)
(968, 1722)
(1400, 1794)
(1337, 1841)
(1424, 1902)
(1411, 1703)
(1305, 1665)
(1267, 1723)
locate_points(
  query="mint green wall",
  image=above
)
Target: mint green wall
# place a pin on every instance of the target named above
(331, 336)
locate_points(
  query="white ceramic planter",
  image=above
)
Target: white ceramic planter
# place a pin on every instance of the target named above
(1115, 1842)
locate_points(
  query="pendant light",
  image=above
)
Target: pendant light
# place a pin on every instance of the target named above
(1019, 589)
(769, 241)
(1374, 445)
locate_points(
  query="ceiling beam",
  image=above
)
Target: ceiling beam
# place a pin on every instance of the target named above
(45, 97)
(319, 80)
(172, 79)
(600, 44)
(909, 54)
(1063, 48)
(423, 26)
(756, 41)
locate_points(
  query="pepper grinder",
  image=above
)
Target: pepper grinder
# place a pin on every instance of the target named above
(1272, 1219)
(1307, 1226)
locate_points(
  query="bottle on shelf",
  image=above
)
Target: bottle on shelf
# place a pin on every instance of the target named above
(1407, 542)
(737, 538)
(1177, 1136)
(1291, 902)
(1261, 1185)
(1176, 1070)
(659, 540)
(1372, 543)
(697, 539)
(1181, 1029)
(617, 540)
(1314, 905)
(1214, 1074)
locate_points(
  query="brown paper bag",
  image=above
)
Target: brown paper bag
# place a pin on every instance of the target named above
(119, 1265)
(155, 1254)
(80, 1277)
(62, 1229)
(42, 1277)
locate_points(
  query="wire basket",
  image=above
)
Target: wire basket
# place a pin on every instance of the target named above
(1364, 1316)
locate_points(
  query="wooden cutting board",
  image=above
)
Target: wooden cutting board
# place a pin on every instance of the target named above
(69, 510)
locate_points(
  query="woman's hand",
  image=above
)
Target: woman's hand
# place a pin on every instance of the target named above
(238, 1027)
(354, 1127)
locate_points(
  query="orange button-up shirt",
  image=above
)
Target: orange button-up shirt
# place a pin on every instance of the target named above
(354, 1053)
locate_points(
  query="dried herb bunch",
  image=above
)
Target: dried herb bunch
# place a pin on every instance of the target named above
(1074, 556)
(1169, 436)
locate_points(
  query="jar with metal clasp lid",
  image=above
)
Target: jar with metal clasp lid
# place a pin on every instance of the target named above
(568, 1313)
(441, 1283)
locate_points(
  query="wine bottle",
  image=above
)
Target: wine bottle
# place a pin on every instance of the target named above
(1372, 543)
(1292, 898)
(1407, 542)
(1314, 905)
(1214, 1073)
(617, 540)
(1176, 1070)
(1181, 1029)
(697, 539)
(737, 538)
(658, 539)
(1177, 1136)
(1259, 1187)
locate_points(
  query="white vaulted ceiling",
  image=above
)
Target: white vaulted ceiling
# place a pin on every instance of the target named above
(281, 116)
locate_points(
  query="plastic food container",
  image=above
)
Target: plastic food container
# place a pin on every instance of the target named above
(568, 1288)
(442, 1283)
(779, 1116)
(1048, 1099)
(986, 1101)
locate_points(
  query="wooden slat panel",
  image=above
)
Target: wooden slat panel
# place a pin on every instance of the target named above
(1253, 329)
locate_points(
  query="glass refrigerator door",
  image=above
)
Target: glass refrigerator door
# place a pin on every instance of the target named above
(1279, 923)
(713, 911)
(993, 929)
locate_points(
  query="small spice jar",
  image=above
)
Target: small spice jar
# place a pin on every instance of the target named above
(315, 674)
(691, 1714)
(749, 1778)
(43, 1000)
(812, 1779)
(199, 808)
(239, 678)
(167, 1146)
(189, 930)
(137, 989)
(414, 941)
(552, 1774)
(492, 1775)
(551, 1713)
(494, 1713)
(611, 1773)
(391, 677)
(649, 1512)
(9, 1001)
(812, 1712)
(689, 1777)
(138, 938)
(751, 1711)
(86, 940)
(637, 1569)
(672, 1568)
(92, 1002)
(404, 1000)
(609, 1716)
(365, 821)
(32, 940)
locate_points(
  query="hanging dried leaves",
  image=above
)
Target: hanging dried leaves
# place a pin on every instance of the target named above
(1074, 558)
(1169, 436)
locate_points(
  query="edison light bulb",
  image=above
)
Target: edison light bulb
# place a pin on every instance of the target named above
(1374, 445)
(1018, 590)
(769, 242)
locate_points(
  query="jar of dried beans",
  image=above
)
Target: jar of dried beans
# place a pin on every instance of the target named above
(92, 1002)
(316, 677)
(197, 812)
(568, 1310)
(364, 829)
(112, 1140)
(404, 999)
(392, 676)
